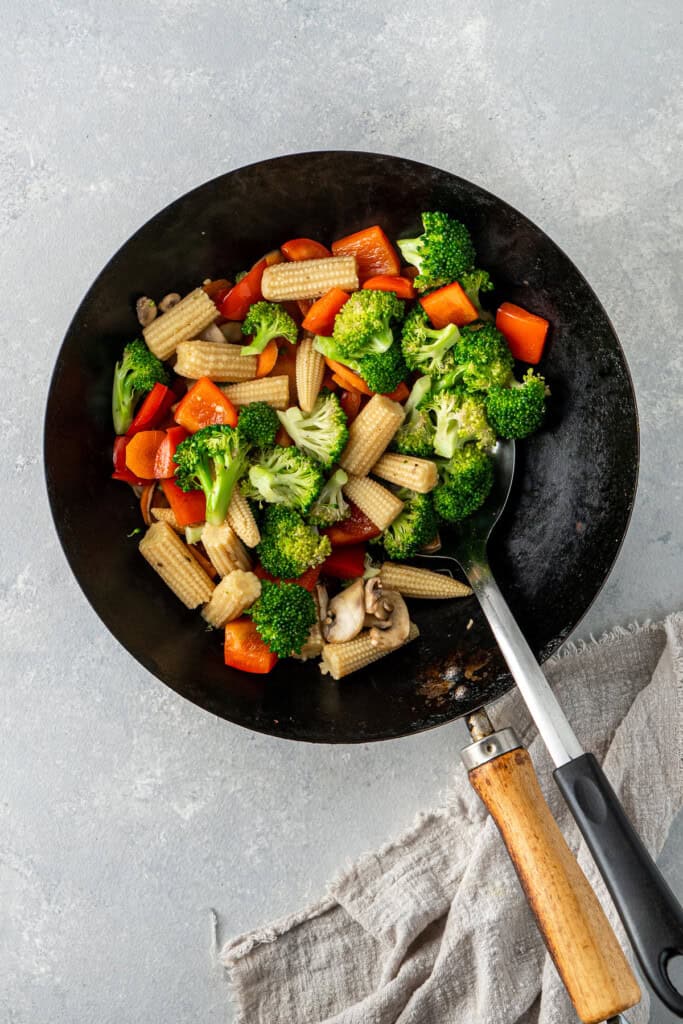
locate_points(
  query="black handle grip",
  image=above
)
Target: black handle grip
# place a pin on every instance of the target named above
(651, 914)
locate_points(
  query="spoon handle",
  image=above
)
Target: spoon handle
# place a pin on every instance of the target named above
(651, 914)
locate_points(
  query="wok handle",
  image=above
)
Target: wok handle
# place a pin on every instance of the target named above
(651, 914)
(579, 938)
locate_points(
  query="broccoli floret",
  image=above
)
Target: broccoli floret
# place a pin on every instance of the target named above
(415, 436)
(285, 476)
(365, 323)
(258, 424)
(135, 374)
(466, 481)
(330, 506)
(322, 432)
(288, 547)
(517, 411)
(212, 460)
(443, 253)
(425, 348)
(283, 616)
(457, 419)
(265, 321)
(473, 284)
(481, 359)
(414, 527)
(383, 371)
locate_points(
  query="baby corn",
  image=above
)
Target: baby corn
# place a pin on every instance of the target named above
(370, 433)
(213, 360)
(407, 471)
(224, 548)
(342, 659)
(234, 594)
(184, 320)
(412, 582)
(307, 279)
(167, 515)
(169, 557)
(272, 390)
(313, 646)
(242, 521)
(310, 370)
(379, 505)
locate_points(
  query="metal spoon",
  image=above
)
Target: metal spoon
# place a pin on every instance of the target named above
(651, 914)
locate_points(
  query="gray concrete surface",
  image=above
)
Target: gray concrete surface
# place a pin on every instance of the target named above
(127, 813)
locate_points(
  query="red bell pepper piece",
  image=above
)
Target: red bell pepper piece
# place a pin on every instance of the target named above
(401, 286)
(304, 249)
(164, 466)
(320, 317)
(350, 403)
(151, 413)
(244, 294)
(524, 332)
(307, 580)
(355, 528)
(189, 507)
(373, 251)
(121, 471)
(244, 649)
(203, 405)
(217, 289)
(345, 563)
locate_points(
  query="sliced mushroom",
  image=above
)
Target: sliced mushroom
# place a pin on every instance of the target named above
(145, 310)
(232, 331)
(345, 615)
(169, 301)
(399, 623)
(373, 598)
(212, 333)
(321, 600)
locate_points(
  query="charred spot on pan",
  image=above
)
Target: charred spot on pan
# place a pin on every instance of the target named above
(476, 663)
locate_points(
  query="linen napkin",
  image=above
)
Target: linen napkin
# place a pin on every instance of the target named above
(433, 927)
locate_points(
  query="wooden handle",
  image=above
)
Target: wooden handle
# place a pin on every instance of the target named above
(579, 937)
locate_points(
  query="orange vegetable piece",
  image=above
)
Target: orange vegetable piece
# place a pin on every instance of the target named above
(388, 283)
(304, 249)
(212, 288)
(286, 364)
(282, 438)
(189, 507)
(141, 452)
(320, 317)
(350, 403)
(307, 580)
(244, 649)
(449, 305)
(347, 378)
(267, 359)
(400, 393)
(373, 251)
(203, 405)
(524, 332)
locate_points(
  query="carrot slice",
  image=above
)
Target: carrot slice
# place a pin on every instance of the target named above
(202, 560)
(400, 393)
(449, 305)
(373, 251)
(347, 378)
(304, 249)
(203, 405)
(189, 507)
(401, 286)
(146, 503)
(524, 332)
(320, 317)
(141, 452)
(267, 359)
(286, 364)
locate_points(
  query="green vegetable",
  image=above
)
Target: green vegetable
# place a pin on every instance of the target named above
(415, 436)
(258, 424)
(383, 371)
(330, 506)
(426, 348)
(466, 481)
(322, 432)
(443, 253)
(212, 460)
(481, 359)
(365, 324)
(135, 374)
(414, 527)
(473, 284)
(285, 476)
(288, 547)
(517, 411)
(265, 321)
(457, 419)
(284, 615)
